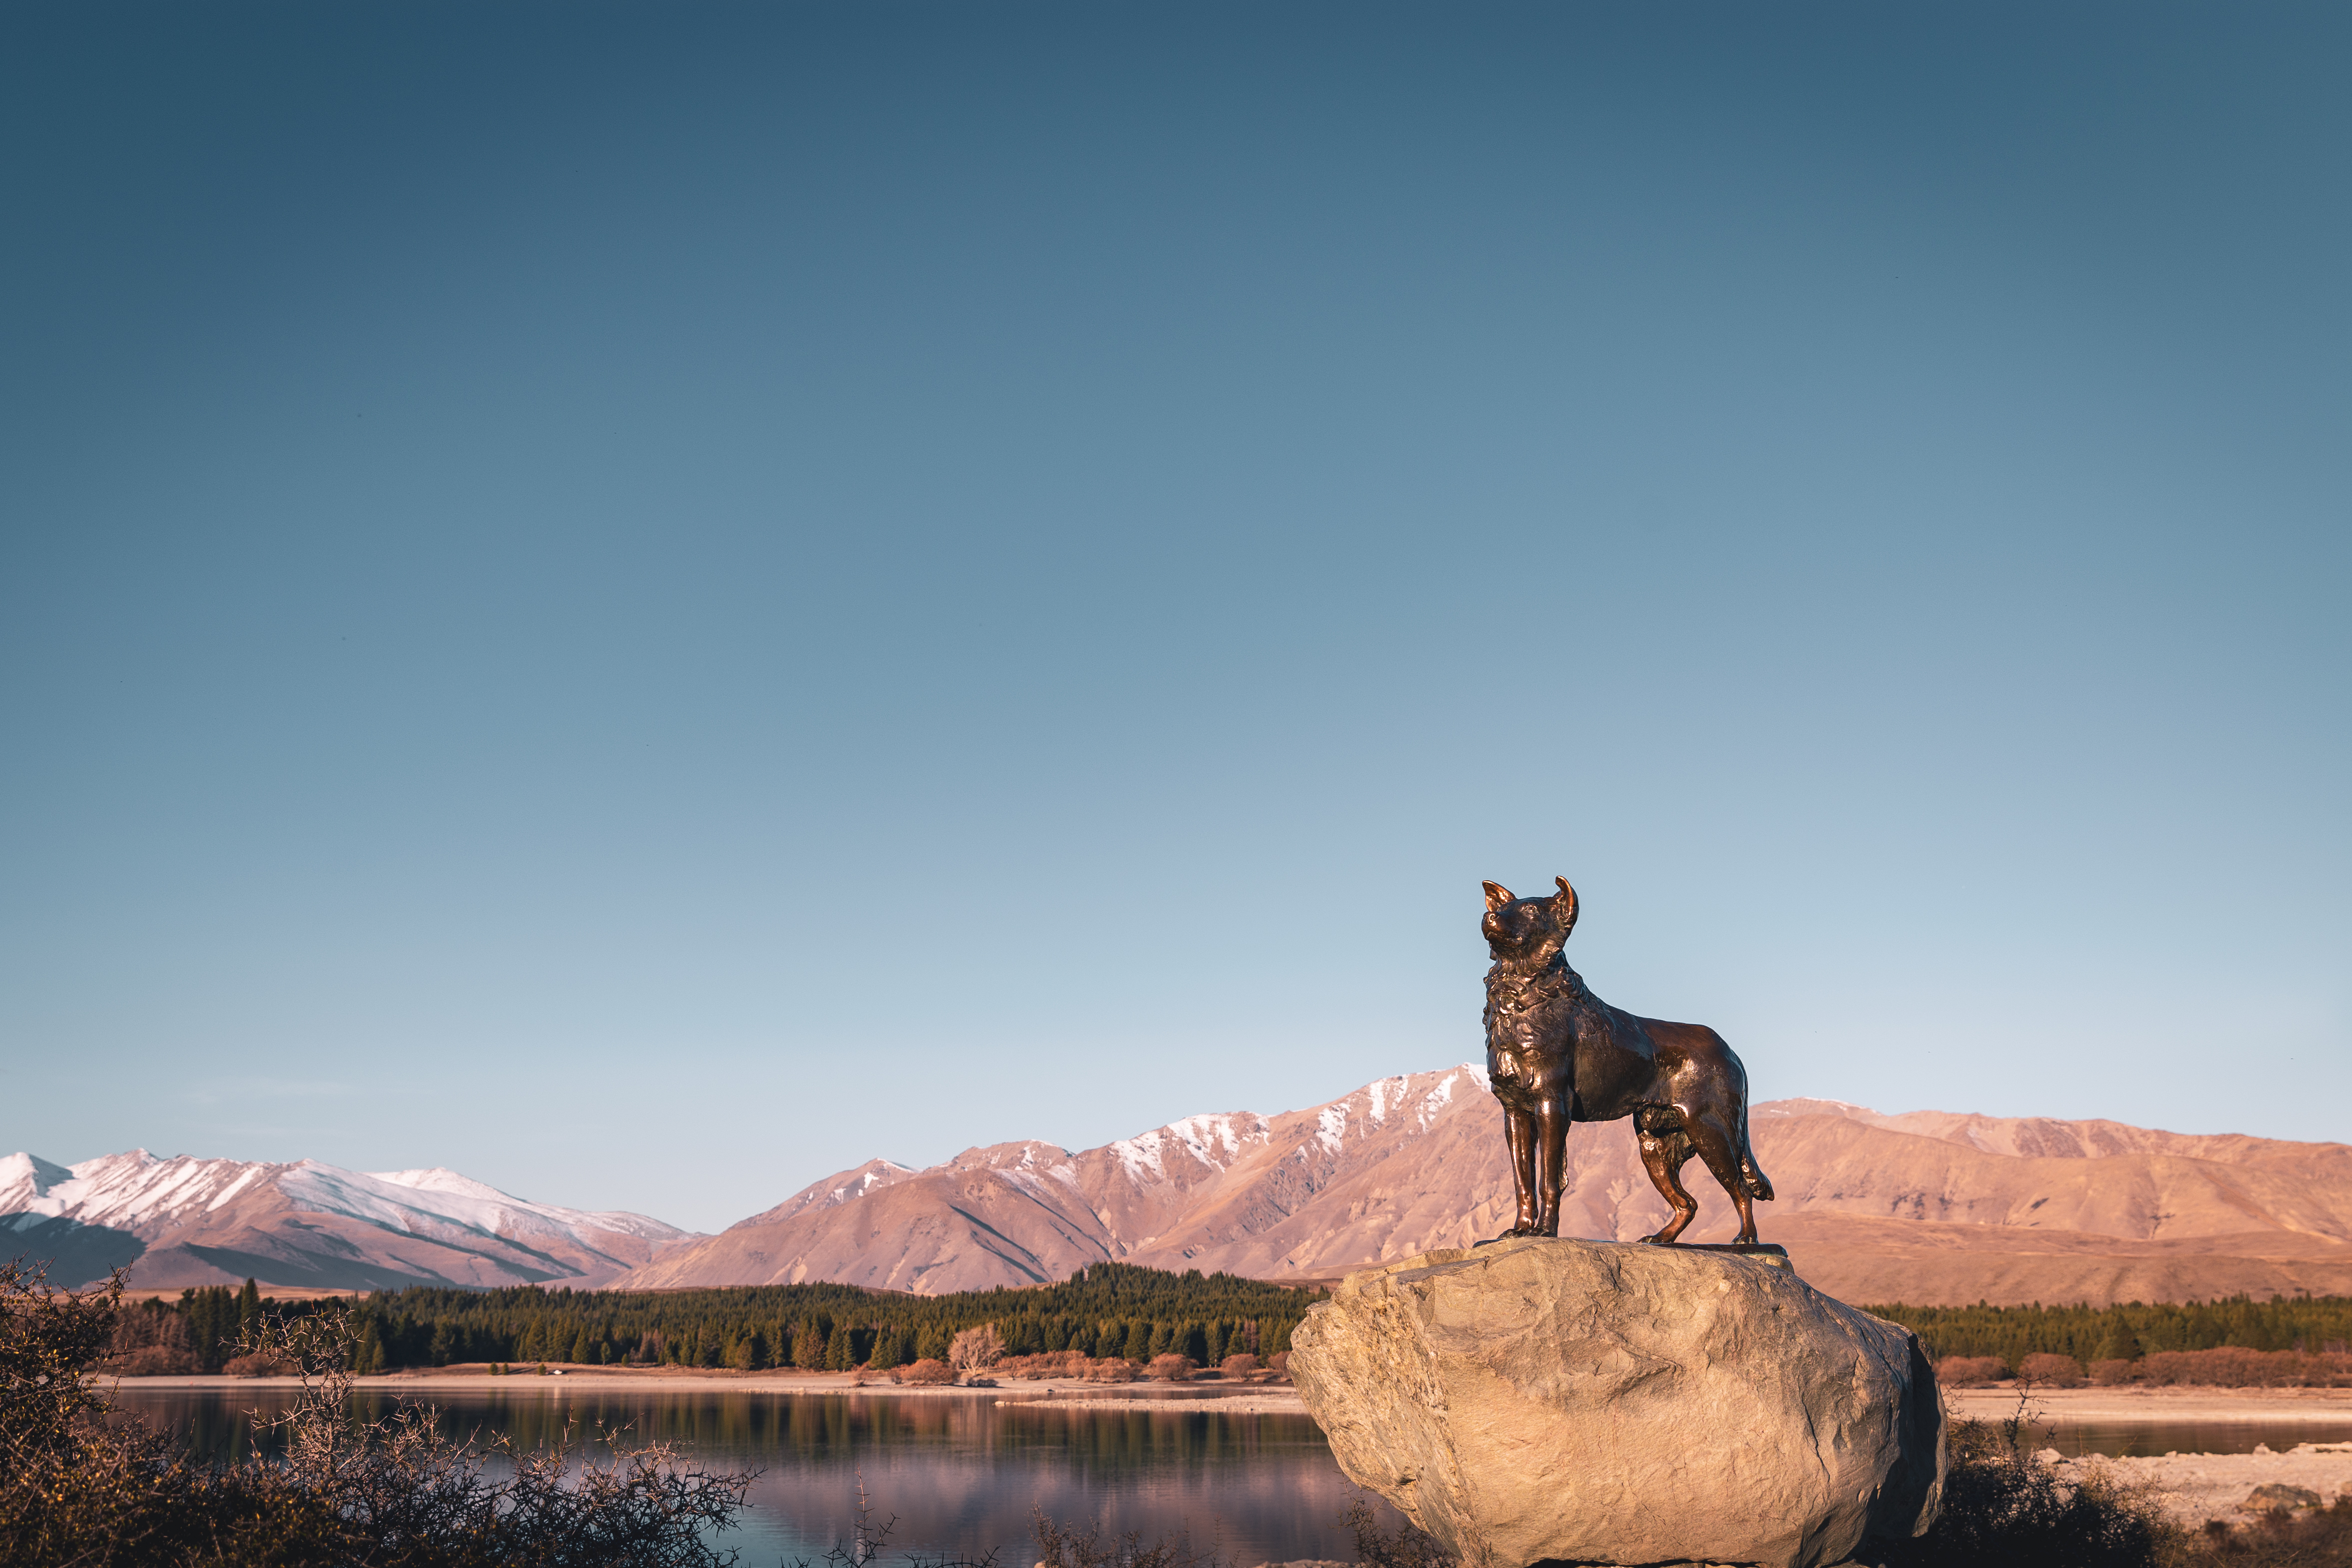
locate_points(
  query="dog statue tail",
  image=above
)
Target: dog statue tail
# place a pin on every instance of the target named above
(1751, 1175)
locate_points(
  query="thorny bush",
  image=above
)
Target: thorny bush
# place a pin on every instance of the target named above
(79, 1490)
(2002, 1505)
(1063, 1545)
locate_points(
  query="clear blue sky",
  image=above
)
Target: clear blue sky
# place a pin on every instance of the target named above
(651, 602)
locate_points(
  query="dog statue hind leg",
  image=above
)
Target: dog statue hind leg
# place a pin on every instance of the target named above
(1666, 1149)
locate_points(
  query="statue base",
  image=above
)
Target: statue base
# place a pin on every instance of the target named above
(1770, 1252)
(1556, 1401)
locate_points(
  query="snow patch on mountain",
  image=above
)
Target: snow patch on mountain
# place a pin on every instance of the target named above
(871, 1179)
(135, 1189)
(26, 1180)
(1440, 1096)
(1139, 1157)
(1216, 1141)
(1331, 1126)
(119, 1190)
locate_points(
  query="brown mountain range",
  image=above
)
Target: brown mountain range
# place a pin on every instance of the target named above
(1927, 1207)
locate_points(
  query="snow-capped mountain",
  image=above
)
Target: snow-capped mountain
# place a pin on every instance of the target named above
(187, 1221)
(1923, 1207)
(1926, 1206)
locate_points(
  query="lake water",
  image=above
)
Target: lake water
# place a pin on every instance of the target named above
(961, 1472)
(2072, 1438)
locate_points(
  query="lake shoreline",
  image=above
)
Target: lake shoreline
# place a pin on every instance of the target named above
(607, 1380)
(1993, 1404)
(2178, 1403)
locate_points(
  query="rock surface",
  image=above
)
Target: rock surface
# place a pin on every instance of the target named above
(1604, 1403)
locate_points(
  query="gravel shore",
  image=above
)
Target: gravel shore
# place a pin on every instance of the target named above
(2194, 1488)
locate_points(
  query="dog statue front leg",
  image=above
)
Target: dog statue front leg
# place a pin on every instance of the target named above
(1552, 1158)
(1519, 1134)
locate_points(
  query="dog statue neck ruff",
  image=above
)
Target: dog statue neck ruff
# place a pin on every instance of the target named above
(1516, 989)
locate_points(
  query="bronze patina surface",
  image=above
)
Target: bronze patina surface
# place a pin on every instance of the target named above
(1556, 1053)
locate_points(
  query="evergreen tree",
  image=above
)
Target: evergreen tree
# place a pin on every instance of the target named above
(212, 1323)
(580, 1353)
(248, 1306)
(1139, 1340)
(931, 1344)
(1162, 1340)
(841, 1349)
(886, 1355)
(2121, 1343)
(808, 1345)
(1192, 1341)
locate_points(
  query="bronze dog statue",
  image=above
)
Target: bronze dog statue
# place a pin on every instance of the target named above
(1556, 1053)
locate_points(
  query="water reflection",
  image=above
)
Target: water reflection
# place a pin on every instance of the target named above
(2073, 1438)
(960, 1473)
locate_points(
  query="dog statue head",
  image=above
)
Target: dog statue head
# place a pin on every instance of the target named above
(1527, 930)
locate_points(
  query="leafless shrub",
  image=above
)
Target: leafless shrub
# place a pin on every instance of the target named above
(76, 1487)
(1170, 1368)
(1240, 1364)
(1045, 1364)
(976, 1349)
(1112, 1369)
(1403, 1547)
(869, 1537)
(1067, 1546)
(2002, 1505)
(927, 1372)
(1971, 1371)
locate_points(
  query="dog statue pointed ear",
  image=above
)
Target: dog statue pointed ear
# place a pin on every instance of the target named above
(1498, 895)
(1566, 900)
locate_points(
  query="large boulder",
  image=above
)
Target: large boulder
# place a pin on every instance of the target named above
(1593, 1402)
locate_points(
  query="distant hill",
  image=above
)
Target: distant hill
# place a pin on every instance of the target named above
(185, 1221)
(1928, 1207)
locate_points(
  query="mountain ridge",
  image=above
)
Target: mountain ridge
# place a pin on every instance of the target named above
(1928, 1206)
(189, 1221)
